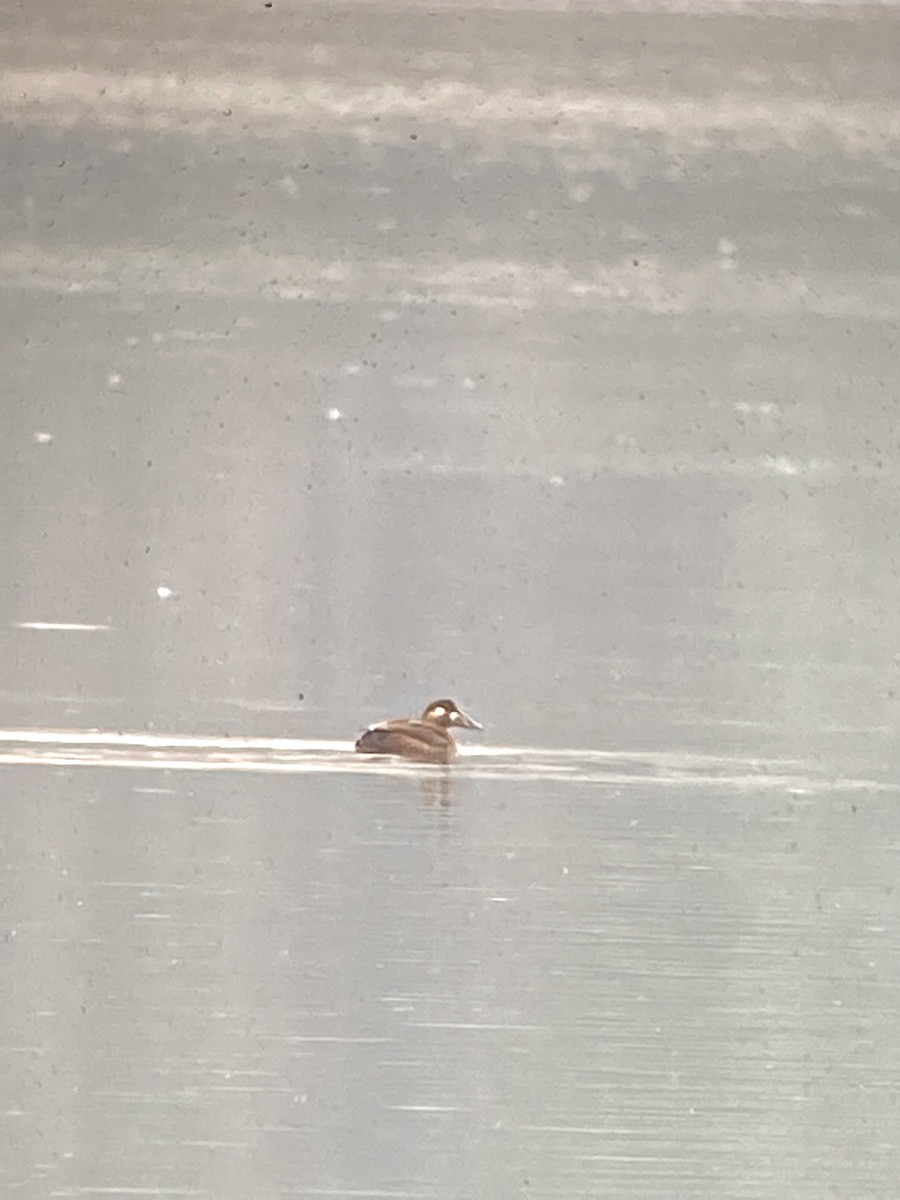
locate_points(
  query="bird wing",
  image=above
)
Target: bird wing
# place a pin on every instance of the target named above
(421, 731)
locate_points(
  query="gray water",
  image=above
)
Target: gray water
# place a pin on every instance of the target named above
(542, 359)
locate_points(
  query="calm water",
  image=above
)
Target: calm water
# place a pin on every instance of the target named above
(548, 974)
(541, 359)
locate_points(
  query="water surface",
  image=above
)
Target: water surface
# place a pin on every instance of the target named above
(544, 359)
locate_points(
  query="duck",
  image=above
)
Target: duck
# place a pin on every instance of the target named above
(424, 739)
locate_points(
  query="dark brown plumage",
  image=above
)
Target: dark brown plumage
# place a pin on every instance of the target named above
(425, 739)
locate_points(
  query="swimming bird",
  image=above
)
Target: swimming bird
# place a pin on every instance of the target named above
(425, 739)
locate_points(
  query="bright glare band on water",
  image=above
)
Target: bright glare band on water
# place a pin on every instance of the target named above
(620, 768)
(61, 626)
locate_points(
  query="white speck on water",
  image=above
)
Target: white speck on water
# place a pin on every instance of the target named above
(114, 379)
(334, 414)
(460, 1025)
(389, 314)
(42, 438)
(337, 272)
(726, 254)
(198, 335)
(425, 1108)
(469, 384)
(164, 593)
(767, 409)
(60, 626)
(415, 382)
(352, 368)
(556, 481)
(783, 466)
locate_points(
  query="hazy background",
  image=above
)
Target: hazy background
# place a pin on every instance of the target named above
(542, 358)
